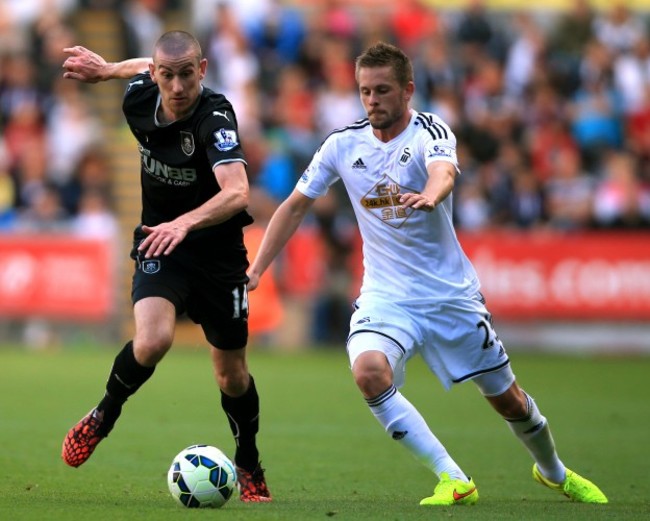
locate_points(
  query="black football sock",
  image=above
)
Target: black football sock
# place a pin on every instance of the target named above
(125, 378)
(243, 414)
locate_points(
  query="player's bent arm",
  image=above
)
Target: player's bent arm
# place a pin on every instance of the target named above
(440, 183)
(89, 67)
(281, 227)
(232, 199)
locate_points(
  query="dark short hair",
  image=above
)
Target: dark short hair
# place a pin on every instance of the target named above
(382, 54)
(177, 43)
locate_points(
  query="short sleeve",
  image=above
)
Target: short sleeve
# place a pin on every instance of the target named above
(219, 133)
(321, 172)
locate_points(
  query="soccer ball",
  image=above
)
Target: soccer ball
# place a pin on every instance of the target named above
(202, 476)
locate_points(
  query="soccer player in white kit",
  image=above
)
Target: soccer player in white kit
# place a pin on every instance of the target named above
(420, 293)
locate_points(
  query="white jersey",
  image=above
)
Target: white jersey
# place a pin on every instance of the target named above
(407, 254)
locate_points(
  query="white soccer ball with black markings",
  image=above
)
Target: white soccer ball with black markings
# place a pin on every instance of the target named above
(202, 476)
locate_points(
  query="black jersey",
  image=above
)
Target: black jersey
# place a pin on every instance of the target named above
(177, 158)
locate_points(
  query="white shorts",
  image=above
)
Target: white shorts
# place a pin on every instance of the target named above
(454, 337)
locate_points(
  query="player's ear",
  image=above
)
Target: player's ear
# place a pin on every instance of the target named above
(203, 65)
(152, 72)
(409, 90)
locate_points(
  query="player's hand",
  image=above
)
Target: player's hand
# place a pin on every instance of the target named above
(253, 281)
(417, 202)
(162, 239)
(84, 65)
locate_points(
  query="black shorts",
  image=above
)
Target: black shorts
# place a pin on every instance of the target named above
(218, 306)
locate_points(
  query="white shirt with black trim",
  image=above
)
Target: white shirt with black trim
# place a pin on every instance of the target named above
(407, 254)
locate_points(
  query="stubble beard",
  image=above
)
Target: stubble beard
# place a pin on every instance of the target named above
(385, 120)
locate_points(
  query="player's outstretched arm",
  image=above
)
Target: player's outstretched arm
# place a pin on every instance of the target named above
(89, 67)
(439, 185)
(283, 224)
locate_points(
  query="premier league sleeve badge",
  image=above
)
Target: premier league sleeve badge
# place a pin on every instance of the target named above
(226, 139)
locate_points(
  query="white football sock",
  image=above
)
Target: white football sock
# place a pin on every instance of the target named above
(535, 434)
(407, 426)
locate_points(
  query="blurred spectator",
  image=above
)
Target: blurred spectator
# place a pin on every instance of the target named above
(569, 192)
(595, 63)
(337, 20)
(24, 131)
(92, 173)
(638, 130)
(474, 29)
(337, 102)
(499, 179)
(18, 86)
(373, 26)
(546, 132)
(487, 104)
(72, 128)
(30, 172)
(527, 208)
(142, 23)
(621, 200)
(95, 218)
(13, 38)
(270, 166)
(23, 12)
(233, 69)
(596, 118)
(568, 37)
(631, 75)
(249, 13)
(617, 28)
(310, 56)
(50, 34)
(470, 204)
(571, 32)
(293, 116)
(436, 75)
(477, 37)
(412, 22)
(524, 55)
(44, 214)
(276, 41)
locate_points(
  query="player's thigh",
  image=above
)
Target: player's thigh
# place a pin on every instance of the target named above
(155, 319)
(463, 343)
(165, 277)
(154, 316)
(379, 326)
(221, 309)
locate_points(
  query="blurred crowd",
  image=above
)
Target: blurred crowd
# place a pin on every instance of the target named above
(551, 108)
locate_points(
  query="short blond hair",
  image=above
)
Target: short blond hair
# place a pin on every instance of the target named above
(382, 54)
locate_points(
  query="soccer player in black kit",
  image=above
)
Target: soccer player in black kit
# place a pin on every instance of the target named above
(188, 250)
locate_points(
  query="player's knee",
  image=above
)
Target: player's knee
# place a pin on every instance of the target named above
(372, 374)
(233, 384)
(513, 409)
(232, 380)
(150, 349)
(512, 404)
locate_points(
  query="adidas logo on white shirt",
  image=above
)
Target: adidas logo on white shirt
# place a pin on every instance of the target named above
(359, 164)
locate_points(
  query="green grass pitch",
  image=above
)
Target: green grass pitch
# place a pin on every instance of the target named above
(325, 455)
